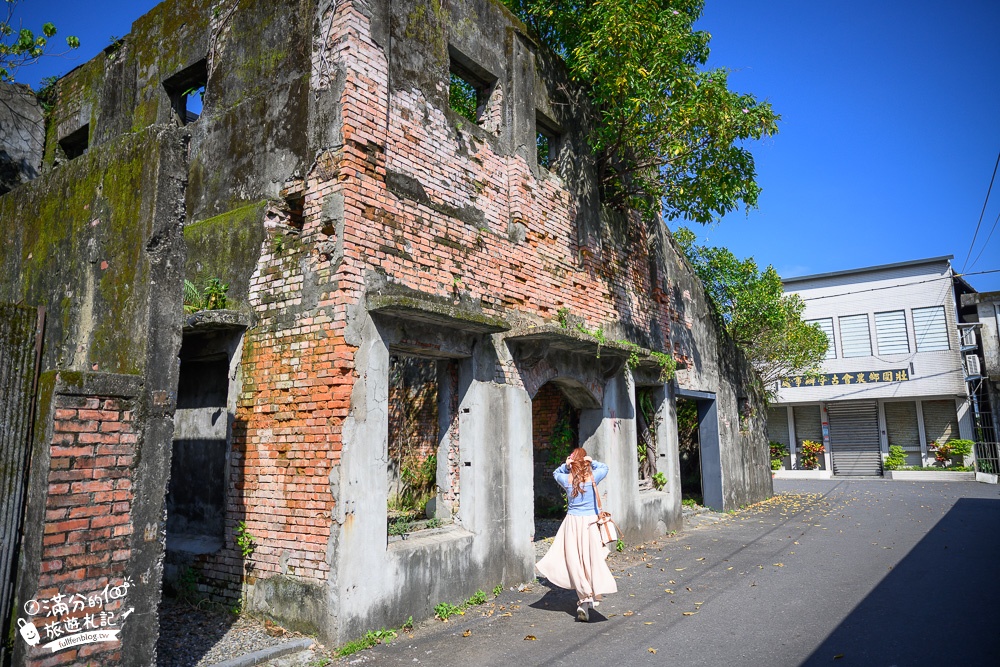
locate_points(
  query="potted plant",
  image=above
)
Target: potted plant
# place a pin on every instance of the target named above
(778, 453)
(811, 451)
(948, 452)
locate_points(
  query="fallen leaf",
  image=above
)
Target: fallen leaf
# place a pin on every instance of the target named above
(729, 568)
(467, 633)
(779, 565)
(628, 613)
(690, 613)
(688, 588)
(667, 590)
(648, 623)
(700, 559)
(680, 569)
(651, 650)
(507, 614)
(838, 656)
(530, 638)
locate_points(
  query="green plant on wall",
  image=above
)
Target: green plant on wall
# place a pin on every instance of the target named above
(562, 441)
(212, 296)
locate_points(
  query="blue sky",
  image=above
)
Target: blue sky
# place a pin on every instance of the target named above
(890, 123)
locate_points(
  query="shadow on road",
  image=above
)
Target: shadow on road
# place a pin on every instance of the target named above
(939, 606)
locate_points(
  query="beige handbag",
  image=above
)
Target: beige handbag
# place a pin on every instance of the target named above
(605, 524)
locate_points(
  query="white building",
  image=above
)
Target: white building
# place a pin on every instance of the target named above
(893, 373)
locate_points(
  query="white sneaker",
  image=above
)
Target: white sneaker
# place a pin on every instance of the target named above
(582, 612)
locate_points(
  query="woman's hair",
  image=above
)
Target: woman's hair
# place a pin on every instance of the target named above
(578, 469)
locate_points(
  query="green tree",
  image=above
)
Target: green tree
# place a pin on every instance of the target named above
(669, 137)
(752, 306)
(21, 46)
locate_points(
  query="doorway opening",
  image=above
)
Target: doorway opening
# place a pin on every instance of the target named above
(689, 450)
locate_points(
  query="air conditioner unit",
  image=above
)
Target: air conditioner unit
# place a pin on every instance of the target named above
(972, 369)
(968, 337)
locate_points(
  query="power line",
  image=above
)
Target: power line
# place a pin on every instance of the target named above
(875, 289)
(981, 213)
(992, 229)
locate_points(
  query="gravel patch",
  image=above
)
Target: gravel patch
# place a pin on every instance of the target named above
(199, 637)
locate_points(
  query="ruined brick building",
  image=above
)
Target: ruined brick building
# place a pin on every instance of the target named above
(421, 306)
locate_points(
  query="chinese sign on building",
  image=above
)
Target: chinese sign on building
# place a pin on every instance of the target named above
(856, 377)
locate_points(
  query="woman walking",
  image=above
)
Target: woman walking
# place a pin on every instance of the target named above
(576, 558)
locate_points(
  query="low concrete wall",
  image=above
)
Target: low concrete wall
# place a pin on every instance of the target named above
(930, 476)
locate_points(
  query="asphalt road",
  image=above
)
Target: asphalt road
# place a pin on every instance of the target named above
(841, 572)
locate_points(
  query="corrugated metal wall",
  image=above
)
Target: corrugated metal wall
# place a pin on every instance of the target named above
(19, 347)
(940, 421)
(808, 426)
(854, 438)
(902, 429)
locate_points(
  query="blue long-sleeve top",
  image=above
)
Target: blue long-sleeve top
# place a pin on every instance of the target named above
(583, 504)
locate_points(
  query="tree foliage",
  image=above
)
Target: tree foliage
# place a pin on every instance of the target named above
(752, 306)
(21, 46)
(670, 133)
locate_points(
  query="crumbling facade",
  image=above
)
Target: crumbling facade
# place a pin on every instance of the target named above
(367, 232)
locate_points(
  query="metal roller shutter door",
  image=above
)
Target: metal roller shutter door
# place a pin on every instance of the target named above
(808, 426)
(854, 438)
(940, 421)
(777, 425)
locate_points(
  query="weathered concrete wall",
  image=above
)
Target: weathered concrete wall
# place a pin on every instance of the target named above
(354, 215)
(21, 136)
(97, 242)
(715, 366)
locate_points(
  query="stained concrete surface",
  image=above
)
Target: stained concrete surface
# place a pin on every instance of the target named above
(845, 572)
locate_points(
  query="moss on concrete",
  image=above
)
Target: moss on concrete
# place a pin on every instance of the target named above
(79, 248)
(227, 247)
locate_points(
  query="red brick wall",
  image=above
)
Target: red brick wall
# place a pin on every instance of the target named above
(297, 367)
(87, 525)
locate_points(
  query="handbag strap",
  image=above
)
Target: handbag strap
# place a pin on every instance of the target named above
(597, 494)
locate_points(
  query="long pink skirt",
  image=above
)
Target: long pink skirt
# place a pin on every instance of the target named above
(576, 559)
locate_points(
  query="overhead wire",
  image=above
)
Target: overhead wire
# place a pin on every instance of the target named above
(920, 282)
(987, 242)
(982, 213)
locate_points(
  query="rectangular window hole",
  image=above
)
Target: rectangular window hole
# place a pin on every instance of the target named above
(187, 91)
(469, 88)
(547, 140)
(75, 143)
(295, 204)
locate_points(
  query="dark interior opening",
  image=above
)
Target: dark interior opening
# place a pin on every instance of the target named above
(689, 449)
(76, 143)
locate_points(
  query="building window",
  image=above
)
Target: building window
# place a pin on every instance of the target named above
(187, 91)
(826, 326)
(890, 332)
(470, 91)
(75, 144)
(855, 336)
(930, 329)
(547, 141)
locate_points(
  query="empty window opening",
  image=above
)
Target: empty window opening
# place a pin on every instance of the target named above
(187, 92)
(75, 143)
(463, 98)
(648, 425)
(689, 446)
(295, 204)
(547, 142)
(423, 465)
(470, 88)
